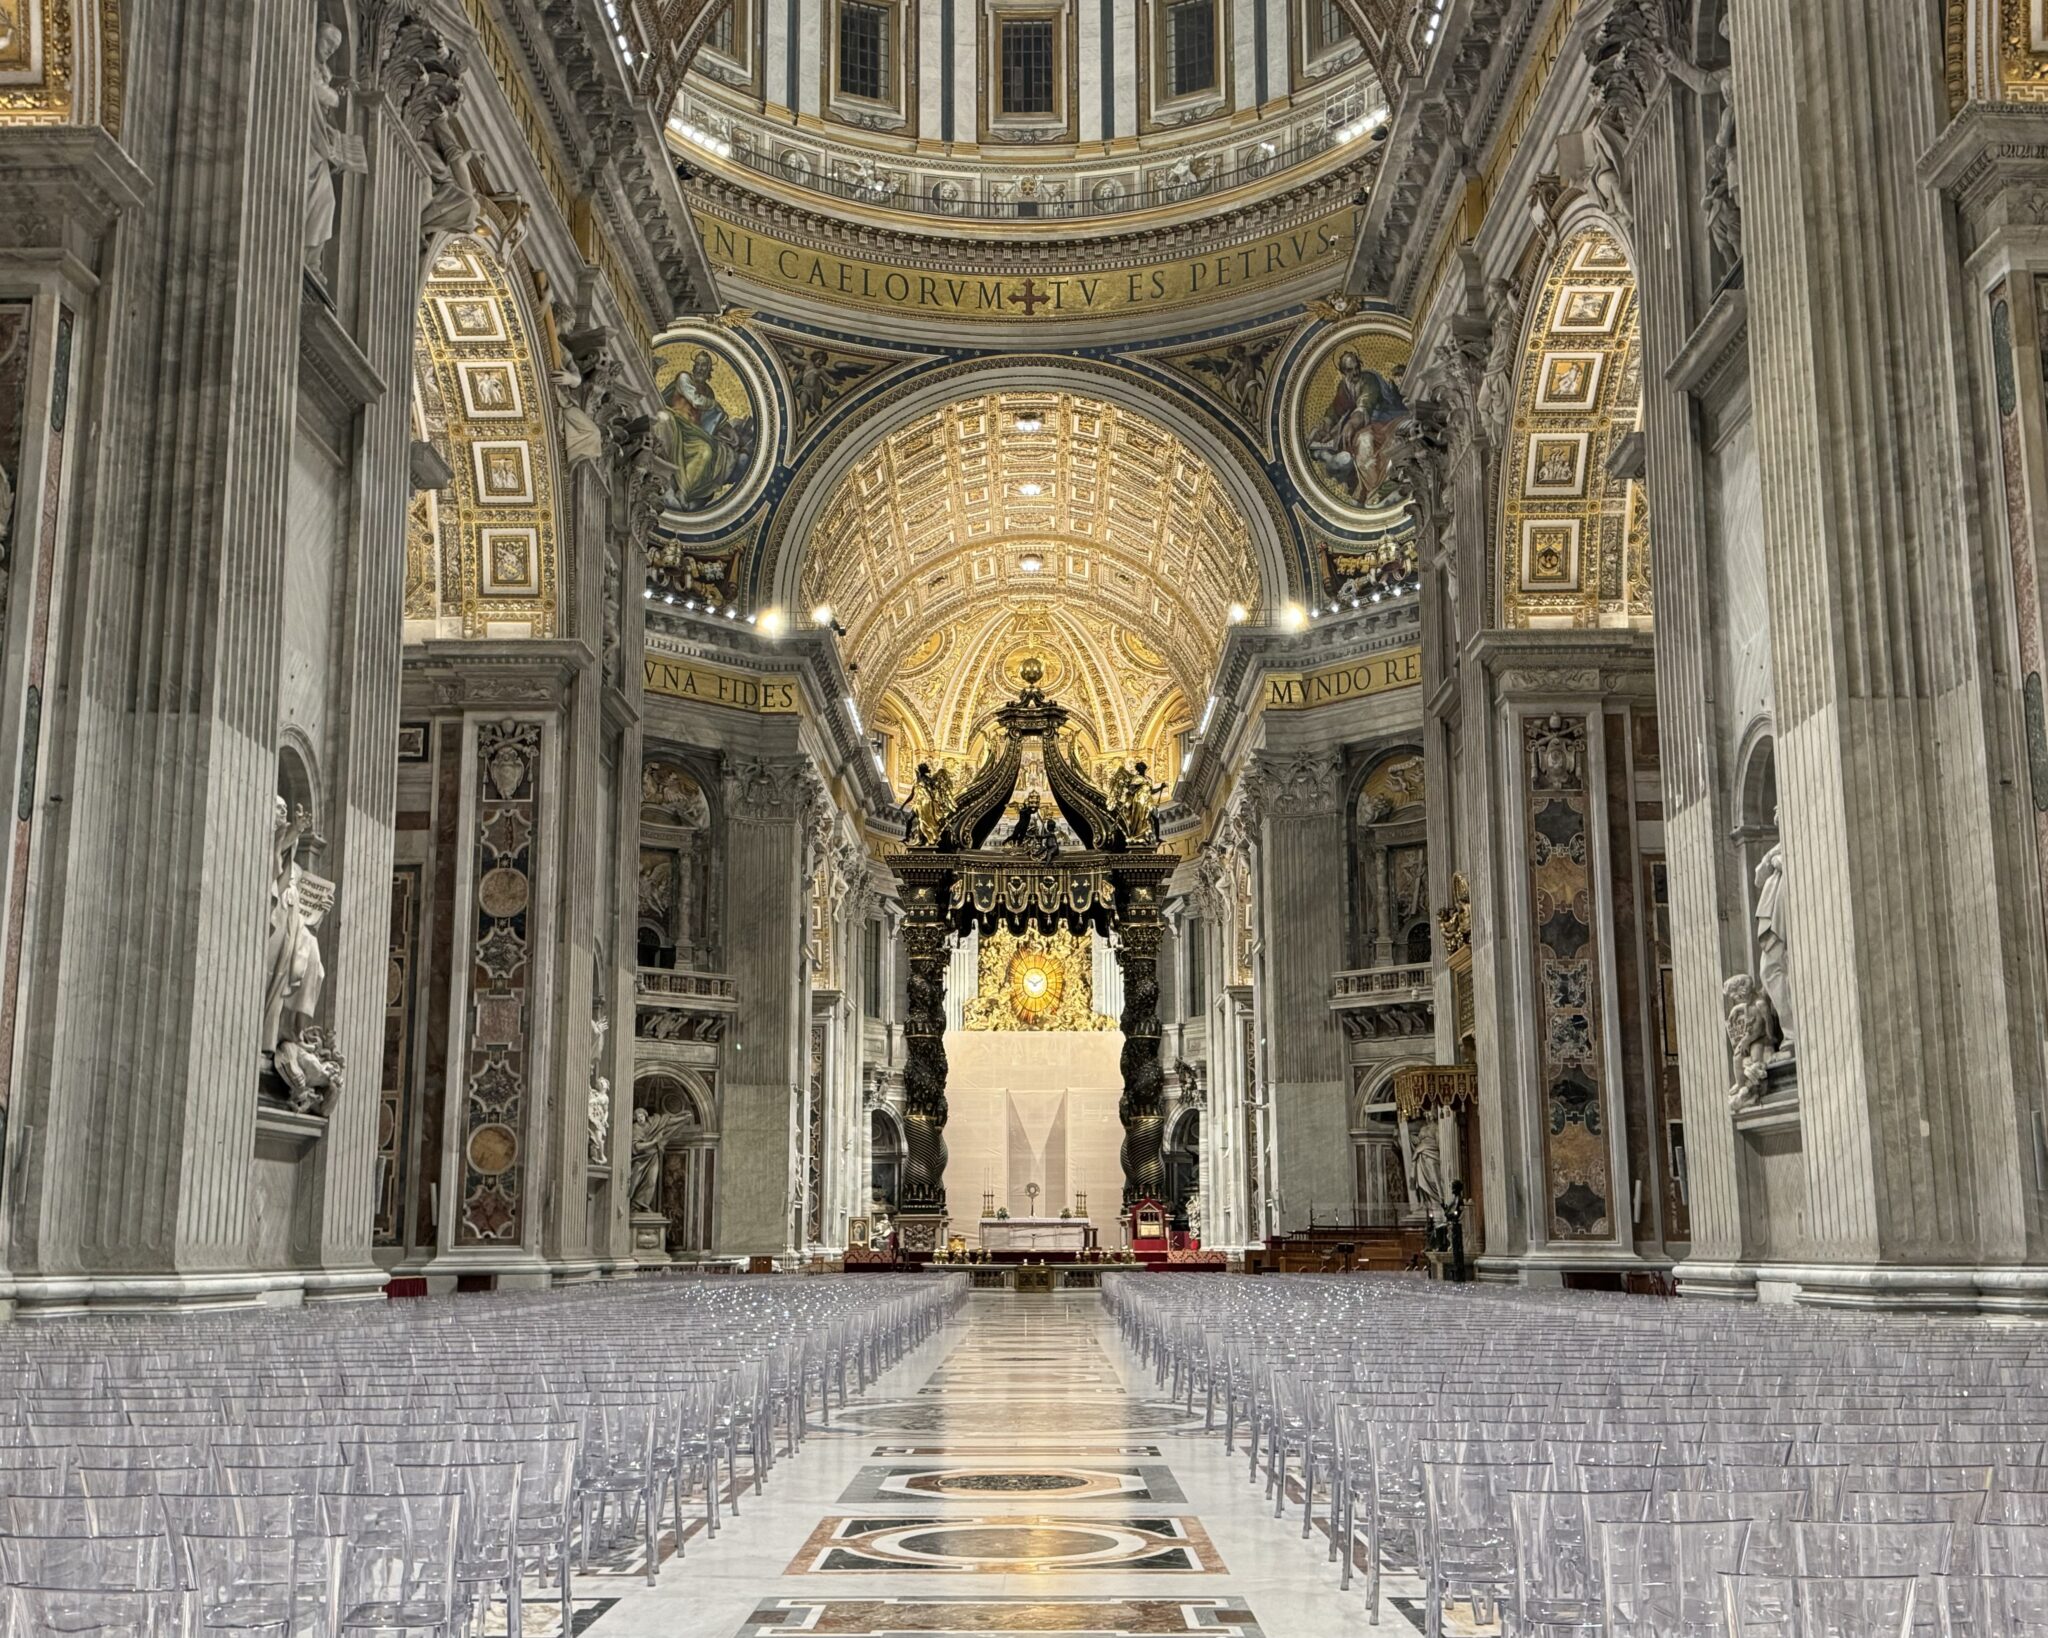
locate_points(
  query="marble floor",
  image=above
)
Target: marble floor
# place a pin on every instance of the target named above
(1018, 1475)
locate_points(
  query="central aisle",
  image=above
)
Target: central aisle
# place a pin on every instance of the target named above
(1018, 1475)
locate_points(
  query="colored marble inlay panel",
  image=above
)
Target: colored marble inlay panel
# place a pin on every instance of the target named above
(958, 1617)
(1566, 936)
(498, 1061)
(962, 1450)
(1008, 1545)
(1020, 1478)
(1013, 1416)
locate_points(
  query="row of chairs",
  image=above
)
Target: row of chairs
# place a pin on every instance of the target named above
(1574, 1463)
(407, 1468)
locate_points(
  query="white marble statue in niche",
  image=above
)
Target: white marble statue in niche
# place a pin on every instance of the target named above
(298, 1050)
(651, 1133)
(1773, 964)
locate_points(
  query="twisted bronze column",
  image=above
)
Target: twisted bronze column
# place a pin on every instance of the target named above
(1143, 1105)
(927, 948)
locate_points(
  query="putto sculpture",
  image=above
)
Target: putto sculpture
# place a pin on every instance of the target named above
(1752, 1036)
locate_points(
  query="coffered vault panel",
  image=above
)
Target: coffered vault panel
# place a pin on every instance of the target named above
(1017, 521)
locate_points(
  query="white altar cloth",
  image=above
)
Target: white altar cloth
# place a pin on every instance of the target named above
(1034, 1234)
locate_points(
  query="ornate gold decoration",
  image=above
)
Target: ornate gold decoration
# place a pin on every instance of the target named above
(2023, 50)
(1035, 980)
(1430, 1090)
(1101, 545)
(976, 286)
(1454, 921)
(61, 63)
(1339, 423)
(482, 557)
(1575, 547)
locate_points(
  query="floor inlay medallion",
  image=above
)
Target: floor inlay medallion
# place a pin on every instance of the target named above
(1062, 1415)
(996, 1545)
(983, 1452)
(1020, 1480)
(962, 1617)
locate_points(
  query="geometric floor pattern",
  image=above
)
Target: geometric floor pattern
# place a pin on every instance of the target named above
(1017, 1475)
(1014, 1481)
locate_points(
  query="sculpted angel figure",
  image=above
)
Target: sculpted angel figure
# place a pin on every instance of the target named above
(931, 804)
(1134, 795)
(1752, 1032)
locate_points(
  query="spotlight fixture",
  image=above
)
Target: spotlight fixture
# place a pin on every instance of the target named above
(1237, 614)
(822, 615)
(1031, 491)
(1294, 617)
(1030, 421)
(1030, 563)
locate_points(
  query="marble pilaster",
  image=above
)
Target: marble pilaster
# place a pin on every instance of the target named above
(1301, 838)
(1912, 1169)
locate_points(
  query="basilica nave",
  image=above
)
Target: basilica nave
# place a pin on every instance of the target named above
(1146, 816)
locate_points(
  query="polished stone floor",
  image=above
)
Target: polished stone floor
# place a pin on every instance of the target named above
(1019, 1474)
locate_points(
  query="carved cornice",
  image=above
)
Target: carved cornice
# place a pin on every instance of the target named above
(472, 674)
(823, 230)
(1435, 135)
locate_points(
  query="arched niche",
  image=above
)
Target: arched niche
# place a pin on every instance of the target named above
(1575, 538)
(688, 1195)
(676, 923)
(1182, 1160)
(483, 555)
(886, 1150)
(1756, 827)
(1390, 922)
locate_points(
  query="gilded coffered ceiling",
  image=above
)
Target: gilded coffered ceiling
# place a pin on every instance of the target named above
(1019, 524)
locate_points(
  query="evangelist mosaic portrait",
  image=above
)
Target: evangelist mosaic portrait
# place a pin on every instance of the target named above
(1350, 400)
(713, 430)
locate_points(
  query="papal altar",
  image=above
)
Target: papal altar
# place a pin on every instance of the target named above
(1038, 1234)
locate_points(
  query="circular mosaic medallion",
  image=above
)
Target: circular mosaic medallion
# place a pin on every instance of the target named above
(503, 892)
(1023, 1543)
(492, 1149)
(717, 430)
(1343, 406)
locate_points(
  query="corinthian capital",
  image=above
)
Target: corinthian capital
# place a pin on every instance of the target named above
(401, 56)
(1301, 785)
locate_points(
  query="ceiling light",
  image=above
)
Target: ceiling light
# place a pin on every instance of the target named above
(822, 615)
(1294, 617)
(1237, 614)
(1030, 422)
(772, 622)
(700, 138)
(1031, 491)
(732, 614)
(1031, 563)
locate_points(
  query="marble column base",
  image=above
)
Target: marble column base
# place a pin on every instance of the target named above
(1887, 1288)
(650, 1240)
(39, 1297)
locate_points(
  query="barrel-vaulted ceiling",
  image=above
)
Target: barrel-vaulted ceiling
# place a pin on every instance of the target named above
(1019, 518)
